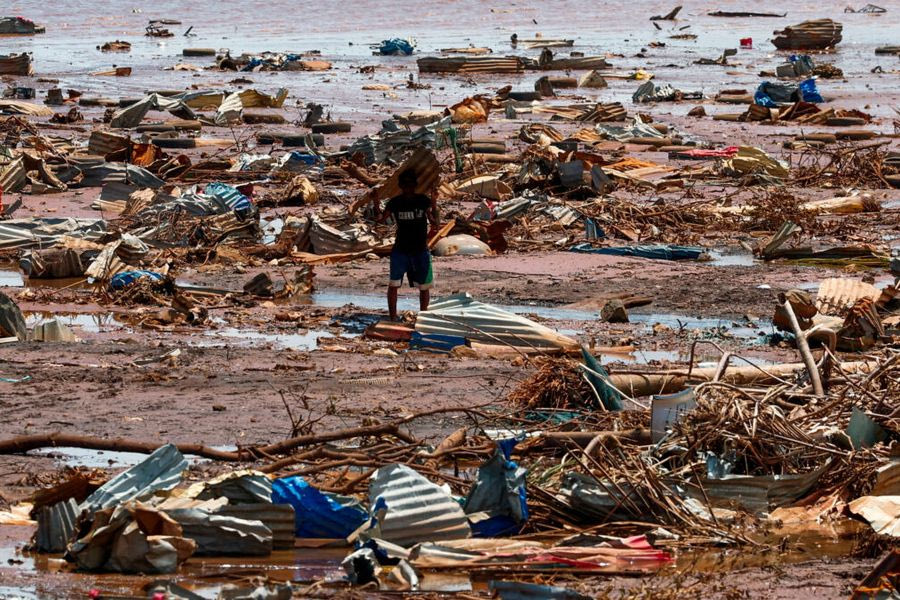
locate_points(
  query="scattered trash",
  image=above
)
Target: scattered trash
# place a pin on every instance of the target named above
(225, 295)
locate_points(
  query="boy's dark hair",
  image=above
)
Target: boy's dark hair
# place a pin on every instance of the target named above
(408, 176)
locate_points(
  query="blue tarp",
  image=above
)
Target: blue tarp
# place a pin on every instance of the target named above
(769, 94)
(661, 252)
(435, 342)
(499, 490)
(318, 514)
(126, 278)
(395, 47)
(809, 92)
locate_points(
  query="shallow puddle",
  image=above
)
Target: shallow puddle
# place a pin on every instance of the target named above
(87, 322)
(95, 459)
(9, 278)
(308, 340)
(14, 278)
(720, 259)
(682, 322)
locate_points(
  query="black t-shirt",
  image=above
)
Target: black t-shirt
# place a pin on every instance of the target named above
(411, 215)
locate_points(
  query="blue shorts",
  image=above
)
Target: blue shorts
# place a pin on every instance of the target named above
(416, 266)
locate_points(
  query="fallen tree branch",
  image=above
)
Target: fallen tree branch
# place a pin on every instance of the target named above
(25, 443)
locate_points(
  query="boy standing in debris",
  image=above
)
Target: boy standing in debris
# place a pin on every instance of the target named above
(410, 256)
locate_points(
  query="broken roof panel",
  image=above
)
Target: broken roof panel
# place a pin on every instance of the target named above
(463, 316)
(411, 509)
(161, 470)
(47, 232)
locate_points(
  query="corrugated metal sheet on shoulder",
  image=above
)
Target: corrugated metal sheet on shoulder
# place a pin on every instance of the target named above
(417, 509)
(423, 162)
(463, 316)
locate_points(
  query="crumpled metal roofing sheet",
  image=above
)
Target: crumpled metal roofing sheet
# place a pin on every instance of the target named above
(161, 470)
(46, 232)
(837, 295)
(55, 526)
(279, 518)
(417, 509)
(12, 176)
(463, 316)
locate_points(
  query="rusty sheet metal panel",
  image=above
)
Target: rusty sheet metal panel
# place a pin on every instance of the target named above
(277, 517)
(16, 64)
(12, 176)
(573, 64)
(809, 35)
(426, 166)
(417, 510)
(463, 316)
(47, 232)
(102, 143)
(837, 295)
(613, 111)
(477, 64)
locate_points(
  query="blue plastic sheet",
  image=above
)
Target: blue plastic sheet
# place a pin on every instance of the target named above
(499, 490)
(769, 94)
(124, 279)
(662, 252)
(304, 157)
(318, 514)
(395, 47)
(435, 342)
(809, 92)
(763, 99)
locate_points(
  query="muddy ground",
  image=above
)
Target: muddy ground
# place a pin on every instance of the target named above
(233, 381)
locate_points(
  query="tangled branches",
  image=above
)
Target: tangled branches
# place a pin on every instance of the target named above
(556, 383)
(860, 167)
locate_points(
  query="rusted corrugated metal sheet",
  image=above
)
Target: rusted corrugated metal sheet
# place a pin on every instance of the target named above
(572, 64)
(471, 64)
(809, 35)
(613, 111)
(417, 510)
(277, 517)
(55, 526)
(46, 232)
(426, 166)
(12, 176)
(16, 64)
(462, 316)
(837, 295)
(102, 143)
